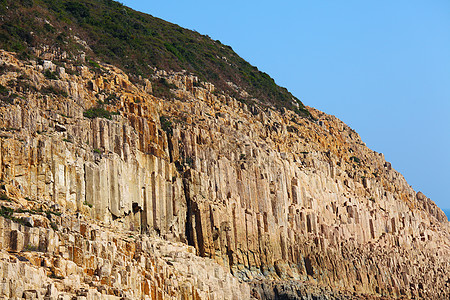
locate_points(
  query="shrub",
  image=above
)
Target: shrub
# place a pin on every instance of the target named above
(53, 90)
(97, 112)
(6, 212)
(4, 197)
(161, 88)
(355, 159)
(4, 91)
(50, 75)
(54, 226)
(111, 99)
(166, 125)
(5, 96)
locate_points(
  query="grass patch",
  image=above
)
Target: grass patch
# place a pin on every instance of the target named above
(7, 213)
(31, 248)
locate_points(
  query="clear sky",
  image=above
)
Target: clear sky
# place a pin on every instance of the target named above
(383, 67)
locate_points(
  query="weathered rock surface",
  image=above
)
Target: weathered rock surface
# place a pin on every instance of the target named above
(272, 206)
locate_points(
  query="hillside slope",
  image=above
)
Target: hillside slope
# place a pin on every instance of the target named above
(135, 42)
(162, 187)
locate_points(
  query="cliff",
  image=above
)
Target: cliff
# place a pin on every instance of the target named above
(109, 191)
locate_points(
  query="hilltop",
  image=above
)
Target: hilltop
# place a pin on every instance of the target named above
(136, 42)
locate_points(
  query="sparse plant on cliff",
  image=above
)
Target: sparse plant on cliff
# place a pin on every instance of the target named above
(4, 197)
(51, 75)
(53, 90)
(161, 88)
(4, 91)
(189, 161)
(111, 99)
(94, 64)
(30, 248)
(5, 95)
(54, 276)
(97, 112)
(6, 212)
(355, 159)
(54, 226)
(166, 125)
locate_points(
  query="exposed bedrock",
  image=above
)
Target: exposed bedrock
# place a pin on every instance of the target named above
(291, 207)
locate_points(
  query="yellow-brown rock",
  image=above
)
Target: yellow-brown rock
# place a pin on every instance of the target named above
(199, 197)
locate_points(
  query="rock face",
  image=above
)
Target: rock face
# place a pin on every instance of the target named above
(198, 197)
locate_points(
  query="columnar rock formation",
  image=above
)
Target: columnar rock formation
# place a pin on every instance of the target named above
(199, 196)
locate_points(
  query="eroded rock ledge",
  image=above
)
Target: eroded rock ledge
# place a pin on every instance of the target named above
(198, 196)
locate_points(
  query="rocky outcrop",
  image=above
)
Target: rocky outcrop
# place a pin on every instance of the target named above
(199, 195)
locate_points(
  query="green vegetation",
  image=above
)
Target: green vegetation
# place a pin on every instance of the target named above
(4, 197)
(355, 159)
(31, 248)
(87, 204)
(161, 88)
(49, 213)
(7, 213)
(54, 276)
(189, 161)
(5, 95)
(135, 42)
(4, 90)
(111, 99)
(98, 112)
(54, 226)
(166, 125)
(53, 90)
(50, 75)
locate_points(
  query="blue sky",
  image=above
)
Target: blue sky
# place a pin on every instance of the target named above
(383, 67)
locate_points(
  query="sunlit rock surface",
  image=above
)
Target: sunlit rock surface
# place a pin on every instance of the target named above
(198, 196)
